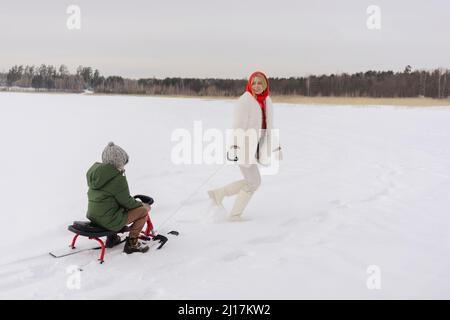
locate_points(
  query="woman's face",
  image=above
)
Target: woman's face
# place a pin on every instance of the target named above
(257, 85)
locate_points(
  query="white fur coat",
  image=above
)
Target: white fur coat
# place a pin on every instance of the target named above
(247, 133)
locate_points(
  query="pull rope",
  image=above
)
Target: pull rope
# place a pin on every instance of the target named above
(183, 203)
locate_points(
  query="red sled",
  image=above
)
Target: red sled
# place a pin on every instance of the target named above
(93, 232)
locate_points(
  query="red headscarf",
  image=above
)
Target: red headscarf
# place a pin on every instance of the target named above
(261, 98)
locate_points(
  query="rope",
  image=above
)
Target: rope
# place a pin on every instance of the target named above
(183, 203)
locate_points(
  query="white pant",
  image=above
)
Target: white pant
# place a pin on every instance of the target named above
(251, 173)
(252, 176)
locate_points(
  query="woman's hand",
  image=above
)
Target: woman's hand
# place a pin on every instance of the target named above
(278, 152)
(232, 154)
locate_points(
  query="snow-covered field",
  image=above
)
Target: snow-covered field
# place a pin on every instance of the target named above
(358, 187)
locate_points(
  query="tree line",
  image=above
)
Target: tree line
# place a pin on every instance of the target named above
(407, 83)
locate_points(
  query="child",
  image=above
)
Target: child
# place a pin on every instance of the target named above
(110, 204)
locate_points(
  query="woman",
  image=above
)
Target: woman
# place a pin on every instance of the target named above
(253, 142)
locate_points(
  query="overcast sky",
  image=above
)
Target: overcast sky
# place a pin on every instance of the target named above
(227, 38)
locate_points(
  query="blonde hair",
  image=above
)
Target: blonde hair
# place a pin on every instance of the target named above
(263, 80)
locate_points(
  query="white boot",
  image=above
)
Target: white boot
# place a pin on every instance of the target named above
(233, 188)
(240, 204)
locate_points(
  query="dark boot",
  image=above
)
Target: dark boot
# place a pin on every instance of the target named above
(112, 241)
(133, 245)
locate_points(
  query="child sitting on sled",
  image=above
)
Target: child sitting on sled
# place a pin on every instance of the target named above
(110, 204)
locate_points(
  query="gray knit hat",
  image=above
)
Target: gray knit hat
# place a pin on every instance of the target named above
(115, 156)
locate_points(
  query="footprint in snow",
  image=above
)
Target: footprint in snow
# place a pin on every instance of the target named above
(232, 256)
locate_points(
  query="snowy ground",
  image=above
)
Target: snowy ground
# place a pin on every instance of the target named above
(359, 186)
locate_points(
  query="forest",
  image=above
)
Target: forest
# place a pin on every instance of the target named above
(406, 83)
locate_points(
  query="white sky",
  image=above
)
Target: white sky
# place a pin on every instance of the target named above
(226, 39)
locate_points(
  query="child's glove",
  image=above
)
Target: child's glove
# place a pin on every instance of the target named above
(145, 199)
(146, 206)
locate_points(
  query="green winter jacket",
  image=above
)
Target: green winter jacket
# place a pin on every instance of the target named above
(109, 197)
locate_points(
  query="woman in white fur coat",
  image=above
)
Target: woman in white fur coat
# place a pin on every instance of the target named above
(254, 142)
